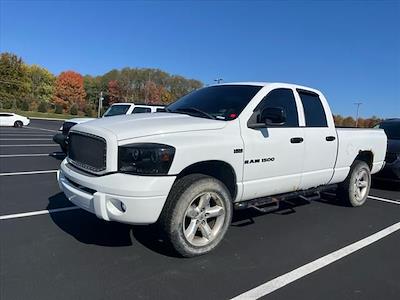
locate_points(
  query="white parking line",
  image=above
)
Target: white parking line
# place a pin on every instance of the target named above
(315, 265)
(24, 134)
(28, 173)
(38, 212)
(38, 128)
(385, 200)
(25, 139)
(31, 155)
(31, 145)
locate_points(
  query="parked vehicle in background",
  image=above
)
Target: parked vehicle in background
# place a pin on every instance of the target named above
(114, 110)
(221, 147)
(391, 171)
(61, 138)
(131, 108)
(12, 119)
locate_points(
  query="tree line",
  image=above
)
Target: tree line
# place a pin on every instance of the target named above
(31, 87)
(351, 122)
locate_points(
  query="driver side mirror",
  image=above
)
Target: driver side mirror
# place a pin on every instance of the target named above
(269, 116)
(274, 116)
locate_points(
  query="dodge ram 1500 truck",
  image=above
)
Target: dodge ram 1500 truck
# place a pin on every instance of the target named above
(218, 148)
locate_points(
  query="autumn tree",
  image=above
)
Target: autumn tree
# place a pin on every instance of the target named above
(69, 90)
(114, 92)
(349, 122)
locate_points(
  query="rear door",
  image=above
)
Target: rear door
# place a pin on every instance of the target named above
(320, 140)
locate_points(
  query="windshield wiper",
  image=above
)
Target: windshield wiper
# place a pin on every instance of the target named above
(195, 110)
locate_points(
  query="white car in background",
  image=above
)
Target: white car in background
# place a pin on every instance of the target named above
(12, 119)
(114, 110)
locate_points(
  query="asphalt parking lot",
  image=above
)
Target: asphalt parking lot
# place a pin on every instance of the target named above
(50, 249)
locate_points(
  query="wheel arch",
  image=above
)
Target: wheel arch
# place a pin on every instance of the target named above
(218, 169)
(366, 156)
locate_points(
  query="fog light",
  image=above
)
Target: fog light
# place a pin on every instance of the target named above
(116, 206)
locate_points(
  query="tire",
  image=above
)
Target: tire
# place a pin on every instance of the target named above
(18, 124)
(190, 225)
(355, 189)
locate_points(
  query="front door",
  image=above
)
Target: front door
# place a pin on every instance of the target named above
(273, 156)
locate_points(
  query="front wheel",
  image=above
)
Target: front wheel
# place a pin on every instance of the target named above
(197, 214)
(18, 124)
(355, 189)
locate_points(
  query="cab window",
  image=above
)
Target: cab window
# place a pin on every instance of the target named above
(140, 110)
(314, 112)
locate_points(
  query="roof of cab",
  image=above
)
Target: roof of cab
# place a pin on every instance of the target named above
(263, 84)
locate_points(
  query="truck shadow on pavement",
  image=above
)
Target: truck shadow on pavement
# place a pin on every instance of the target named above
(88, 229)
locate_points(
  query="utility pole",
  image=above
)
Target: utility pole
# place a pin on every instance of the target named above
(358, 110)
(100, 106)
(218, 80)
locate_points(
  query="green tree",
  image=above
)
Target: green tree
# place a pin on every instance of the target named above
(14, 81)
(41, 87)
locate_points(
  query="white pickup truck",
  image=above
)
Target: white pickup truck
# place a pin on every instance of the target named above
(218, 148)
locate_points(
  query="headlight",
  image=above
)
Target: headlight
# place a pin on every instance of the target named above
(145, 159)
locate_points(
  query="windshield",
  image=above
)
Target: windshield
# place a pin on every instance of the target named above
(223, 102)
(392, 130)
(115, 110)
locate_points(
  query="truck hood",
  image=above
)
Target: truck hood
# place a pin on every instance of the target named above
(140, 125)
(80, 120)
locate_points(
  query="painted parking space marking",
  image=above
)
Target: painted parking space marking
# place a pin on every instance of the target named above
(385, 200)
(38, 128)
(38, 212)
(25, 139)
(25, 134)
(28, 173)
(31, 155)
(32, 145)
(285, 279)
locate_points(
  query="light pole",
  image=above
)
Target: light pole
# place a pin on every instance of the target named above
(218, 80)
(358, 110)
(100, 104)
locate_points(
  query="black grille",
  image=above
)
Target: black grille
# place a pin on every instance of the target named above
(87, 151)
(390, 157)
(66, 127)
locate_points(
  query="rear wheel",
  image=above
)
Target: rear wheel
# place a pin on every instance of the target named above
(355, 189)
(197, 214)
(18, 124)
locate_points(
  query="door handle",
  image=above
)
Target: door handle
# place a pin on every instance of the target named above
(296, 140)
(330, 138)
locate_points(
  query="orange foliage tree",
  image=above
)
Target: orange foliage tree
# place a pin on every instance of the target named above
(114, 92)
(69, 90)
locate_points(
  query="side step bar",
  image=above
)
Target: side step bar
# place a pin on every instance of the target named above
(271, 203)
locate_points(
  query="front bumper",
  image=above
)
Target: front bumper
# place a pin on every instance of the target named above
(116, 197)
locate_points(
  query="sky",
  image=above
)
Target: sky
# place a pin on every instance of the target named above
(350, 50)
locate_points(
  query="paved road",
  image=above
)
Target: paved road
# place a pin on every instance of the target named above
(72, 254)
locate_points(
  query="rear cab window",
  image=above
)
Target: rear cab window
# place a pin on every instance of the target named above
(314, 111)
(141, 110)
